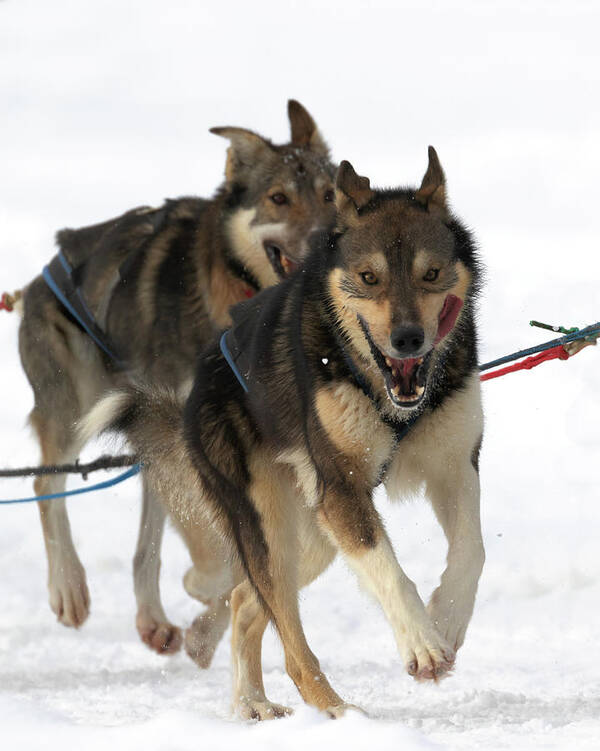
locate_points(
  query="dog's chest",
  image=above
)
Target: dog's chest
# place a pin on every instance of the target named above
(222, 292)
(352, 424)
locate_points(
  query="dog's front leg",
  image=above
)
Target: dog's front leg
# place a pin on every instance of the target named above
(454, 495)
(355, 527)
(69, 595)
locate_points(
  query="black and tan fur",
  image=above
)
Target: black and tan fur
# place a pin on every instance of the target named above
(160, 283)
(285, 473)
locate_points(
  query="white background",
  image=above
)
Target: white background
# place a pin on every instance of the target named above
(107, 105)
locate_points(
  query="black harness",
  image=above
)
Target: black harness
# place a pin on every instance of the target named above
(64, 280)
(59, 276)
(234, 354)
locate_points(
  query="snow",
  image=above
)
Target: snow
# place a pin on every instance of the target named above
(107, 105)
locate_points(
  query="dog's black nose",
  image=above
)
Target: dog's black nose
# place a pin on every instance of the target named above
(408, 340)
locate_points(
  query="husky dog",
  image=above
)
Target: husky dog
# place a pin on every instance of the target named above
(360, 368)
(158, 284)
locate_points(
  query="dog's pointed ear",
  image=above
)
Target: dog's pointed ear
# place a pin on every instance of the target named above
(352, 192)
(245, 150)
(304, 129)
(432, 192)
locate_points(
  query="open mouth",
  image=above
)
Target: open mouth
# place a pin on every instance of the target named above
(406, 378)
(282, 264)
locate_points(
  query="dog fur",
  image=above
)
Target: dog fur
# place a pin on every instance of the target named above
(340, 360)
(160, 282)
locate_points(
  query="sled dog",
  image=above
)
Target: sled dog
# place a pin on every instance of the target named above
(157, 284)
(360, 368)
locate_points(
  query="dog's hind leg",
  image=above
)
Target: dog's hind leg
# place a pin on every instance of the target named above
(203, 636)
(151, 622)
(250, 620)
(210, 580)
(272, 556)
(249, 623)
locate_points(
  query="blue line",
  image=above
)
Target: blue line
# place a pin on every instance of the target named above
(78, 491)
(65, 263)
(230, 362)
(57, 291)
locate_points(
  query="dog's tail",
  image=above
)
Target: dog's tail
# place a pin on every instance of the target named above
(106, 415)
(152, 422)
(150, 419)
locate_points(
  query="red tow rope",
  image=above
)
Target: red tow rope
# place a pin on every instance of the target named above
(556, 353)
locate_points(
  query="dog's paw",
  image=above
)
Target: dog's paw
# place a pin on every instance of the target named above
(450, 616)
(253, 709)
(203, 636)
(339, 710)
(160, 635)
(69, 594)
(429, 658)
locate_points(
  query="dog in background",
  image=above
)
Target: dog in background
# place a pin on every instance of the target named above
(159, 283)
(360, 368)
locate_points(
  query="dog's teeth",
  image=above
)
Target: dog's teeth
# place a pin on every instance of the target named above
(420, 390)
(396, 390)
(420, 361)
(388, 362)
(395, 372)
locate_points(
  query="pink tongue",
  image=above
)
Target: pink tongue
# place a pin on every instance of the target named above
(448, 316)
(405, 369)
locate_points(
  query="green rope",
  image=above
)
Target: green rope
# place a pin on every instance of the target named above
(549, 327)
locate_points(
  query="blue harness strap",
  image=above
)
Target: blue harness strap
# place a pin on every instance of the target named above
(78, 491)
(230, 359)
(58, 275)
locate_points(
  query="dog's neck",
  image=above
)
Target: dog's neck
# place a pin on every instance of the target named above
(224, 279)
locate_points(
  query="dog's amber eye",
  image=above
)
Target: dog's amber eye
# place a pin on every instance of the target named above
(431, 275)
(369, 277)
(279, 198)
(329, 196)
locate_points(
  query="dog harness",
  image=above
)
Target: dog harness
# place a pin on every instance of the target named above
(65, 280)
(233, 355)
(60, 277)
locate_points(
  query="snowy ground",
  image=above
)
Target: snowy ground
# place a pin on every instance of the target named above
(106, 105)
